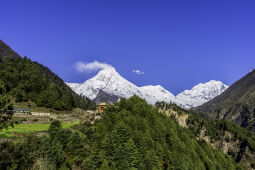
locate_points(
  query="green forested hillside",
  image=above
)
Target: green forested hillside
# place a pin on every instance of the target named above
(237, 142)
(130, 135)
(30, 81)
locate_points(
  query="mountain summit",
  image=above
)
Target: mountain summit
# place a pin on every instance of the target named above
(200, 94)
(110, 82)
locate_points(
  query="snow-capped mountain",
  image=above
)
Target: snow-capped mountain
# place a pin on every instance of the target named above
(112, 83)
(74, 86)
(156, 93)
(200, 94)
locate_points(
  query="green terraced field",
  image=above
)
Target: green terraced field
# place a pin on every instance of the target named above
(29, 128)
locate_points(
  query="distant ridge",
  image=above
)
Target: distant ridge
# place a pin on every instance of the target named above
(237, 103)
(7, 52)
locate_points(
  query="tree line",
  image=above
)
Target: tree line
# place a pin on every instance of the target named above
(130, 135)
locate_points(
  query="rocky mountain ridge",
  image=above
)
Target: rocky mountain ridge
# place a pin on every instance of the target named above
(236, 104)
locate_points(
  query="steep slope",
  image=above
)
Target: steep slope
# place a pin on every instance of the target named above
(7, 52)
(74, 86)
(237, 103)
(26, 80)
(105, 97)
(157, 93)
(237, 142)
(200, 94)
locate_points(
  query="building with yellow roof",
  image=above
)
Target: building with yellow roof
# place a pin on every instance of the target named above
(101, 107)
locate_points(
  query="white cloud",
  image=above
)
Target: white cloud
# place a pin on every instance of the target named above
(92, 66)
(138, 72)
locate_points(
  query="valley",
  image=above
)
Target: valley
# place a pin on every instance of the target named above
(127, 85)
(141, 127)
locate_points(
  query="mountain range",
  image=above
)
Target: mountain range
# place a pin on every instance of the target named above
(110, 82)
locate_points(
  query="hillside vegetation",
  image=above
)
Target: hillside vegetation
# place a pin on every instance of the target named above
(30, 81)
(237, 142)
(130, 135)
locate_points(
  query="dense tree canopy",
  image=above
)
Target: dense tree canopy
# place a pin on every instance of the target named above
(26, 80)
(5, 107)
(238, 142)
(130, 135)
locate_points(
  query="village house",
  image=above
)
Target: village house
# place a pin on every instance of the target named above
(101, 107)
(21, 111)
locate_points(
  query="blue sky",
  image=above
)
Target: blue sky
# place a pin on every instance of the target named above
(177, 43)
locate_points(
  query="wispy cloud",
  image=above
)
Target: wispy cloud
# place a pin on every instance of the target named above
(138, 72)
(92, 66)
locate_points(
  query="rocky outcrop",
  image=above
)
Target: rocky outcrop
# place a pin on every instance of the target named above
(105, 97)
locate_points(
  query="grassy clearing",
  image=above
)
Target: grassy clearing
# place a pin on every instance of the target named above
(29, 128)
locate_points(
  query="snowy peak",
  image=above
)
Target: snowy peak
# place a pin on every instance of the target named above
(157, 93)
(112, 83)
(106, 74)
(109, 81)
(200, 94)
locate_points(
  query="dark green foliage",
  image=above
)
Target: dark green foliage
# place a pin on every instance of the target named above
(26, 80)
(5, 107)
(130, 135)
(253, 165)
(52, 150)
(54, 129)
(134, 135)
(133, 154)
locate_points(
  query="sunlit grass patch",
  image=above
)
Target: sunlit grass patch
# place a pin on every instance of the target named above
(29, 128)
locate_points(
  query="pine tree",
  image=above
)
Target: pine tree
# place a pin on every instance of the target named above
(122, 132)
(133, 153)
(151, 160)
(104, 165)
(54, 129)
(76, 146)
